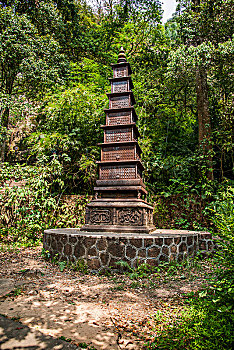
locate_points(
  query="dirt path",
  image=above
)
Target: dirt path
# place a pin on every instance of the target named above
(109, 313)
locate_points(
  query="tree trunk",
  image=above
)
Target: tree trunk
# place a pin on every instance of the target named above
(204, 126)
(4, 125)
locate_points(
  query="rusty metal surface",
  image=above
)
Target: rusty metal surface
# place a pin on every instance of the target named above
(119, 203)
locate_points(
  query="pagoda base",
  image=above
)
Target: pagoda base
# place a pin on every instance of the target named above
(103, 250)
(119, 216)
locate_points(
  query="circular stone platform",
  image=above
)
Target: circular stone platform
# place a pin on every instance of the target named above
(101, 250)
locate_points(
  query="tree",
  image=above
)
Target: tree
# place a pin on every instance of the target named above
(29, 63)
(202, 29)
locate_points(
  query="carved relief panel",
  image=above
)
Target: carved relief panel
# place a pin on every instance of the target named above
(119, 118)
(118, 135)
(150, 217)
(118, 153)
(120, 72)
(117, 172)
(130, 217)
(101, 216)
(120, 102)
(120, 86)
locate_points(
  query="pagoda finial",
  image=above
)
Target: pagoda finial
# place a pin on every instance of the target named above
(122, 56)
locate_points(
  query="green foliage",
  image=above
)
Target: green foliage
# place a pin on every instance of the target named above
(222, 211)
(30, 200)
(28, 61)
(80, 266)
(69, 125)
(141, 271)
(207, 322)
(199, 326)
(54, 60)
(65, 339)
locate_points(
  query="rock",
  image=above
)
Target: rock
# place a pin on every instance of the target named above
(8, 285)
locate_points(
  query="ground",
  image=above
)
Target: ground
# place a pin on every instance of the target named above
(89, 310)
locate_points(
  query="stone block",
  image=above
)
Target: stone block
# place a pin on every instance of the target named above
(177, 240)
(180, 257)
(190, 240)
(113, 262)
(168, 241)
(92, 251)
(152, 262)
(130, 252)
(173, 248)
(165, 250)
(79, 250)
(183, 247)
(67, 250)
(101, 244)
(163, 258)
(205, 235)
(93, 264)
(116, 250)
(72, 240)
(104, 258)
(190, 250)
(153, 252)
(137, 242)
(89, 241)
(142, 253)
(148, 242)
(59, 247)
(159, 241)
(172, 257)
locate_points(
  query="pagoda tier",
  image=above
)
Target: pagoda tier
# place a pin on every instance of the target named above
(119, 205)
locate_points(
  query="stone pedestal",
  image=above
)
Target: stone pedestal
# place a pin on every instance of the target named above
(101, 250)
(119, 216)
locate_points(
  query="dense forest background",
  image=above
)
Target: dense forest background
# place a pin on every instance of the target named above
(55, 61)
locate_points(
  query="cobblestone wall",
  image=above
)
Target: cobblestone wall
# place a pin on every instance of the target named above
(100, 251)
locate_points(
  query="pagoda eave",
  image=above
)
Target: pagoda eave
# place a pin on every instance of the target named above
(121, 188)
(112, 80)
(122, 162)
(121, 109)
(124, 93)
(121, 203)
(120, 182)
(117, 126)
(119, 144)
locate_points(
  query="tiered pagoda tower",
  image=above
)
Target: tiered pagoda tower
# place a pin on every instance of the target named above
(119, 205)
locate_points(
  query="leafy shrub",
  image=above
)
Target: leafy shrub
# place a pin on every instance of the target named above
(223, 219)
(31, 201)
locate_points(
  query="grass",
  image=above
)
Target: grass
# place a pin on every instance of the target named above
(202, 320)
(198, 326)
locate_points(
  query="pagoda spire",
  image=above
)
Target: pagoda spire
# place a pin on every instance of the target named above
(122, 56)
(119, 205)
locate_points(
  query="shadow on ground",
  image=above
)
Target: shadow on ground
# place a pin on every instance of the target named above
(15, 336)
